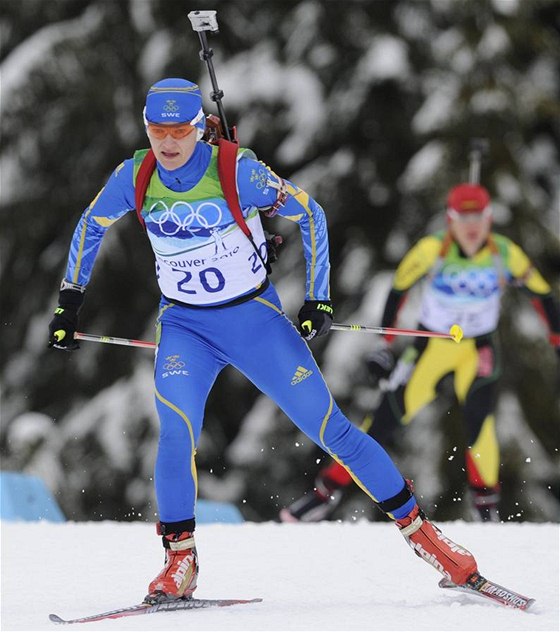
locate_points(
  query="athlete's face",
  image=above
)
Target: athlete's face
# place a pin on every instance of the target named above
(172, 144)
(471, 231)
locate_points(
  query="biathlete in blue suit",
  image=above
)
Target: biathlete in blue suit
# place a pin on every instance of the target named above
(215, 297)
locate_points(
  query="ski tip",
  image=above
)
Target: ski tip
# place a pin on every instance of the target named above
(482, 587)
(55, 618)
(530, 603)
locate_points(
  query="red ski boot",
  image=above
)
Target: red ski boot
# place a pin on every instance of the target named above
(429, 543)
(177, 579)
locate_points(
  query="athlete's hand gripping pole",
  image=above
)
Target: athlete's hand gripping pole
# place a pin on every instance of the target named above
(455, 332)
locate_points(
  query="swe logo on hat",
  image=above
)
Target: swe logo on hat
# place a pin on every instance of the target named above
(170, 109)
(175, 100)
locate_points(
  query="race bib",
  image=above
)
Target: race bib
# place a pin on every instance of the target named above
(215, 264)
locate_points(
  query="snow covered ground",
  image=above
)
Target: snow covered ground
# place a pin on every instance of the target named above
(328, 576)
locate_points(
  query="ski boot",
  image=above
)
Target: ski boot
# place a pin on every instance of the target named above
(320, 503)
(485, 503)
(428, 542)
(177, 579)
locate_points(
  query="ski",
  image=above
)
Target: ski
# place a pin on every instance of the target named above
(146, 608)
(482, 587)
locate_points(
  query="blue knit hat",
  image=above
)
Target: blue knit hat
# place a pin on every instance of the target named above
(175, 101)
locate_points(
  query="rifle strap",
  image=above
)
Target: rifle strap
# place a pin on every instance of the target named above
(227, 168)
(227, 172)
(142, 180)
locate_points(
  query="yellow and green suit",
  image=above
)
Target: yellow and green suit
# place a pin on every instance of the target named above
(467, 291)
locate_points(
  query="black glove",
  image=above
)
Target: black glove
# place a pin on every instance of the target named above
(273, 243)
(380, 363)
(65, 321)
(315, 318)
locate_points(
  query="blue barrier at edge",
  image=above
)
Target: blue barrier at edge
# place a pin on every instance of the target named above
(25, 497)
(211, 511)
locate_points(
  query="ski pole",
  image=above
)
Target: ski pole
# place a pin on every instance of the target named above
(202, 21)
(455, 333)
(127, 342)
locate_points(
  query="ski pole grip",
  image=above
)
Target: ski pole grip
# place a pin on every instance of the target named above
(456, 333)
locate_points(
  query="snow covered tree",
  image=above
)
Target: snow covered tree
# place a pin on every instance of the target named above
(367, 105)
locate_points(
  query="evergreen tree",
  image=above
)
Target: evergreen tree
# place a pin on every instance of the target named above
(369, 106)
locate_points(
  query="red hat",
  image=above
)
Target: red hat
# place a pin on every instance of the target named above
(468, 198)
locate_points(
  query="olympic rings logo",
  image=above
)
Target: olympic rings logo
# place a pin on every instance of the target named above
(473, 282)
(170, 106)
(260, 177)
(183, 216)
(173, 363)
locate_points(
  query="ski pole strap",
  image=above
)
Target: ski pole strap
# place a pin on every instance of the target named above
(227, 172)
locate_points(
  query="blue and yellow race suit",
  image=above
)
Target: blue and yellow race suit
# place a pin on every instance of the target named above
(218, 308)
(467, 291)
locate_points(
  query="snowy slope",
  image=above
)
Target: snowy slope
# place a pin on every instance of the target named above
(328, 576)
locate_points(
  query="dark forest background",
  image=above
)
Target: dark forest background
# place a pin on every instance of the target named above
(370, 107)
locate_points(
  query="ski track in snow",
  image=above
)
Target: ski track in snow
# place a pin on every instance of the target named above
(327, 576)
